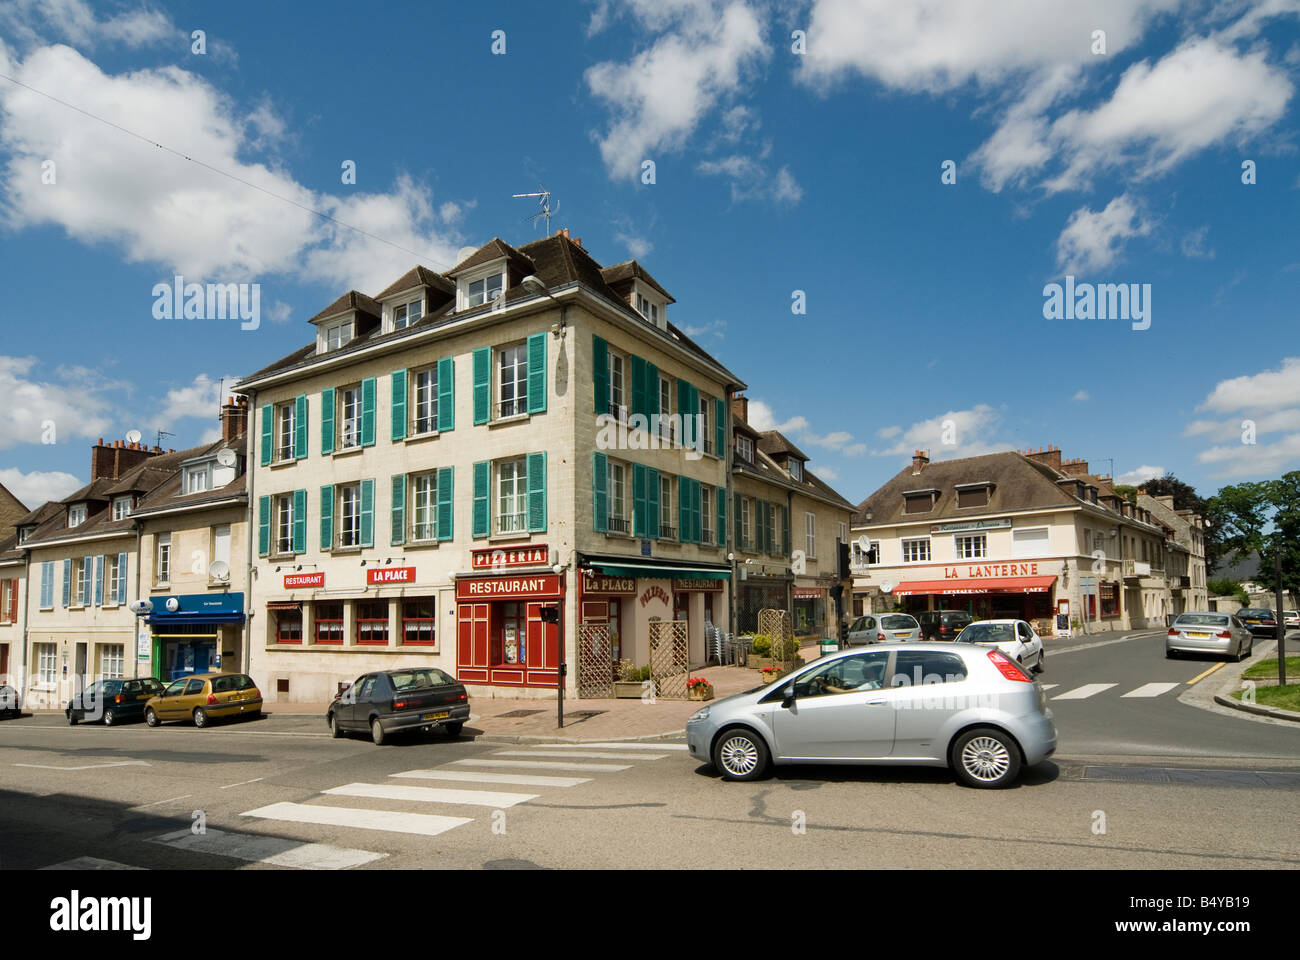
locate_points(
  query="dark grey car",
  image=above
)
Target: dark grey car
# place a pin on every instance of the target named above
(391, 701)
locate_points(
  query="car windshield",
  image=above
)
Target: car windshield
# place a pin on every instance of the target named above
(1202, 620)
(898, 622)
(231, 682)
(988, 633)
(418, 679)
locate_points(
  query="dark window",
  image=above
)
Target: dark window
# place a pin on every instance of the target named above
(418, 622)
(194, 686)
(915, 668)
(917, 503)
(976, 497)
(372, 622)
(329, 623)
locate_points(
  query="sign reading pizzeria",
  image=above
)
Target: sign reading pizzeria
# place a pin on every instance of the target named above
(531, 555)
(491, 588)
(390, 575)
(293, 581)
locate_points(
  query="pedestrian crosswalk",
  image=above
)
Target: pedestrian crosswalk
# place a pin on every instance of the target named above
(1089, 690)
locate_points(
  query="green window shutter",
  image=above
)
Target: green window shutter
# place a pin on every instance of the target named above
(683, 509)
(368, 412)
(761, 517)
(300, 521)
(651, 394)
(121, 578)
(367, 513)
(263, 526)
(699, 511)
(482, 385)
(399, 405)
(537, 492)
(327, 517)
(638, 500)
(300, 426)
(398, 533)
(683, 409)
(652, 503)
(445, 494)
(600, 491)
(600, 374)
(327, 420)
(638, 386)
(785, 530)
(446, 394)
(537, 373)
(719, 429)
(722, 516)
(268, 433)
(482, 491)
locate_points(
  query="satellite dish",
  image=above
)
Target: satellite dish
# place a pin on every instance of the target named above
(133, 436)
(887, 586)
(864, 543)
(226, 457)
(464, 253)
(219, 570)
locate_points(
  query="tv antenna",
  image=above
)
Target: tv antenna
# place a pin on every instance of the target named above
(163, 433)
(545, 210)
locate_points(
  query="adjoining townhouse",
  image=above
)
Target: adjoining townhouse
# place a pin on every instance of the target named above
(455, 456)
(1186, 574)
(789, 527)
(13, 583)
(1019, 535)
(193, 559)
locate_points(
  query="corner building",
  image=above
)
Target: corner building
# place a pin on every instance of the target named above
(456, 454)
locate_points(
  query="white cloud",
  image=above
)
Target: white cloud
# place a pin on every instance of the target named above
(637, 246)
(750, 179)
(29, 21)
(38, 487)
(76, 404)
(1193, 245)
(1081, 396)
(160, 209)
(798, 428)
(886, 432)
(1254, 460)
(1258, 392)
(761, 418)
(1093, 240)
(661, 96)
(827, 474)
(714, 328)
(1252, 409)
(968, 430)
(1140, 475)
(279, 312)
(200, 398)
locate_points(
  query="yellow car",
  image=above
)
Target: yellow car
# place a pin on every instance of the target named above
(204, 697)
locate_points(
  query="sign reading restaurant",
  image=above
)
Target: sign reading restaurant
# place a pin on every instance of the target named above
(293, 580)
(532, 555)
(469, 588)
(963, 526)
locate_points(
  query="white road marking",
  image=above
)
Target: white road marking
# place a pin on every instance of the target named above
(91, 863)
(242, 782)
(608, 746)
(418, 823)
(88, 766)
(1085, 691)
(397, 791)
(146, 806)
(1152, 689)
(276, 851)
(545, 765)
(1049, 686)
(513, 779)
(602, 755)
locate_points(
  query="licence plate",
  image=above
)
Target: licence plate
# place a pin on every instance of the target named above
(904, 633)
(1198, 635)
(441, 715)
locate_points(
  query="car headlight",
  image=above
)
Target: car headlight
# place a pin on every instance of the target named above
(701, 714)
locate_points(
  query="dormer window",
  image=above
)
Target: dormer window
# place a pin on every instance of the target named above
(197, 479)
(484, 289)
(919, 501)
(76, 515)
(338, 334)
(24, 533)
(408, 314)
(796, 469)
(647, 309)
(744, 448)
(974, 494)
(121, 508)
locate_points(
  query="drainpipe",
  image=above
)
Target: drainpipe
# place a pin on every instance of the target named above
(249, 457)
(730, 501)
(25, 683)
(137, 621)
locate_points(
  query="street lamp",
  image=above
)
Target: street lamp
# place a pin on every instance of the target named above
(534, 285)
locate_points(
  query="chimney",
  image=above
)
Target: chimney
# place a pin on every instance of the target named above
(1050, 457)
(919, 460)
(564, 232)
(112, 462)
(740, 408)
(1075, 468)
(234, 418)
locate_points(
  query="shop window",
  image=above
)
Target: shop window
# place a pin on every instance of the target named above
(288, 626)
(510, 645)
(418, 624)
(372, 622)
(329, 623)
(1109, 599)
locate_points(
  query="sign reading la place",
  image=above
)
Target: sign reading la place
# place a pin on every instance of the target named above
(532, 555)
(390, 575)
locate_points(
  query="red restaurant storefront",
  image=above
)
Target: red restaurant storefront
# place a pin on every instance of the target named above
(500, 636)
(988, 591)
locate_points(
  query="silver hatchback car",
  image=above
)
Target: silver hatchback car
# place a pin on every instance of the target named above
(954, 705)
(882, 627)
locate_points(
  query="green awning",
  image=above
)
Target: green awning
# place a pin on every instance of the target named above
(664, 571)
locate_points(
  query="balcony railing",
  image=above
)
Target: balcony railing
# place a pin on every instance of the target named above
(618, 525)
(424, 531)
(667, 531)
(512, 408)
(512, 523)
(706, 535)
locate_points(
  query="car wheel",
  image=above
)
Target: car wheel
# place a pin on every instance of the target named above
(740, 755)
(1171, 654)
(377, 732)
(985, 758)
(453, 729)
(150, 717)
(110, 718)
(72, 718)
(335, 730)
(1042, 658)
(200, 717)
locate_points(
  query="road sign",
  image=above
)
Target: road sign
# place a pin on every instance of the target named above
(1088, 586)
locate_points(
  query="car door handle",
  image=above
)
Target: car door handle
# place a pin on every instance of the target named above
(875, 703)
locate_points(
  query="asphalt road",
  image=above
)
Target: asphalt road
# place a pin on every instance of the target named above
(1139, 782)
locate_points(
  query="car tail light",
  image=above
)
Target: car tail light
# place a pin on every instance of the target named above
(1225, 635)
(401, 704)
(942, 628)
(880, 637)
(1007, 668)
(119, 698)
(212, 699)
(462, 696)
(1173, 632)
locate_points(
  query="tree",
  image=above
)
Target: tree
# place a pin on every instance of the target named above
(1224, 587)
(1186, 498)
(1262, 517)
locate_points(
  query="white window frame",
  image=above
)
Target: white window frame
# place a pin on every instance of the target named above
(796, 469)
(618, 502)
(424, 507)
(706, 513)
(744, 448)
(349, 515)
(515, 375)
(47, 656)
(617, 385)
(512, 505)
(647, 308)
(121, 508)
(810, 534)
(337, 335)
(666, 513)
(970, 546)
(162, 559)
(284, 431)
(76, 515)
(284, 525)
(428, 422)
(472, 299)
(349, 417)
(746, 523)
(402, 313)
(706, 414)
(192, 473)
(112, 661)
(114, 576)
(218, 538)
(916, 544)
(665, 408)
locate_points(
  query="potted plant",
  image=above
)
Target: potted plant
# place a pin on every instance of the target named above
(628, 686)
(697, 688)
(770, 673)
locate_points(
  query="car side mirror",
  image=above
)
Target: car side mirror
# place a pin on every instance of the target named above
(787, 695)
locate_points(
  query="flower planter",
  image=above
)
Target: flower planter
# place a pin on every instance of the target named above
(699, 693)
(628, 689)
(770, 676)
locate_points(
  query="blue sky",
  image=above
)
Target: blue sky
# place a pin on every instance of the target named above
(775, 172)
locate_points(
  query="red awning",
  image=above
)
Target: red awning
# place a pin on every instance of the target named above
(985, 585)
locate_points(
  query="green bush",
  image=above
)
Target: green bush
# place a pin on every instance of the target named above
(786, 650)
(762, 644)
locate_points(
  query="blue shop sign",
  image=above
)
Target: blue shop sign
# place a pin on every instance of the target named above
(198, 608)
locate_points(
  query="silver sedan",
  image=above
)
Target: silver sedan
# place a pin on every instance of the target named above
(1207, 632)
(963, 706)
(882, 627)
